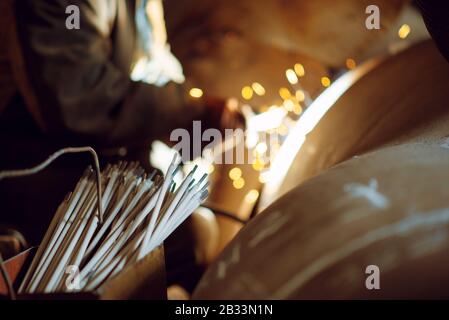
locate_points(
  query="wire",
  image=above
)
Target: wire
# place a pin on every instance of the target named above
(223, 213)
(53, 157)
(15, 234)
(27, 172)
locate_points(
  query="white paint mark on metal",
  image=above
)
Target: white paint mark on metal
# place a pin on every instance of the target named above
(432, 219)
(445, 144)
(221, 270)
(369, 192)
(223, 265)
(253, 285)
(271, 229)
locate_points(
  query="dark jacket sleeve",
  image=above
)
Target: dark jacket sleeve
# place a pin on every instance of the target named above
(436, 16)
(81, 93)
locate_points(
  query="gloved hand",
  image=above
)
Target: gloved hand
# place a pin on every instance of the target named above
(159, 68)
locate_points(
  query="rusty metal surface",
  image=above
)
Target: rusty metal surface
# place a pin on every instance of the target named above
(387, 208)
(382, 200)
(389, 100)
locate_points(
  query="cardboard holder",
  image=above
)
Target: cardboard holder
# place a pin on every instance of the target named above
(144, 280)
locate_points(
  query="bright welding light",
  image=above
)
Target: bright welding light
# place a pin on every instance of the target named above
(270, 119)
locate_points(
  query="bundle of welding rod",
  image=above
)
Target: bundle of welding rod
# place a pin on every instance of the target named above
(140, 212)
